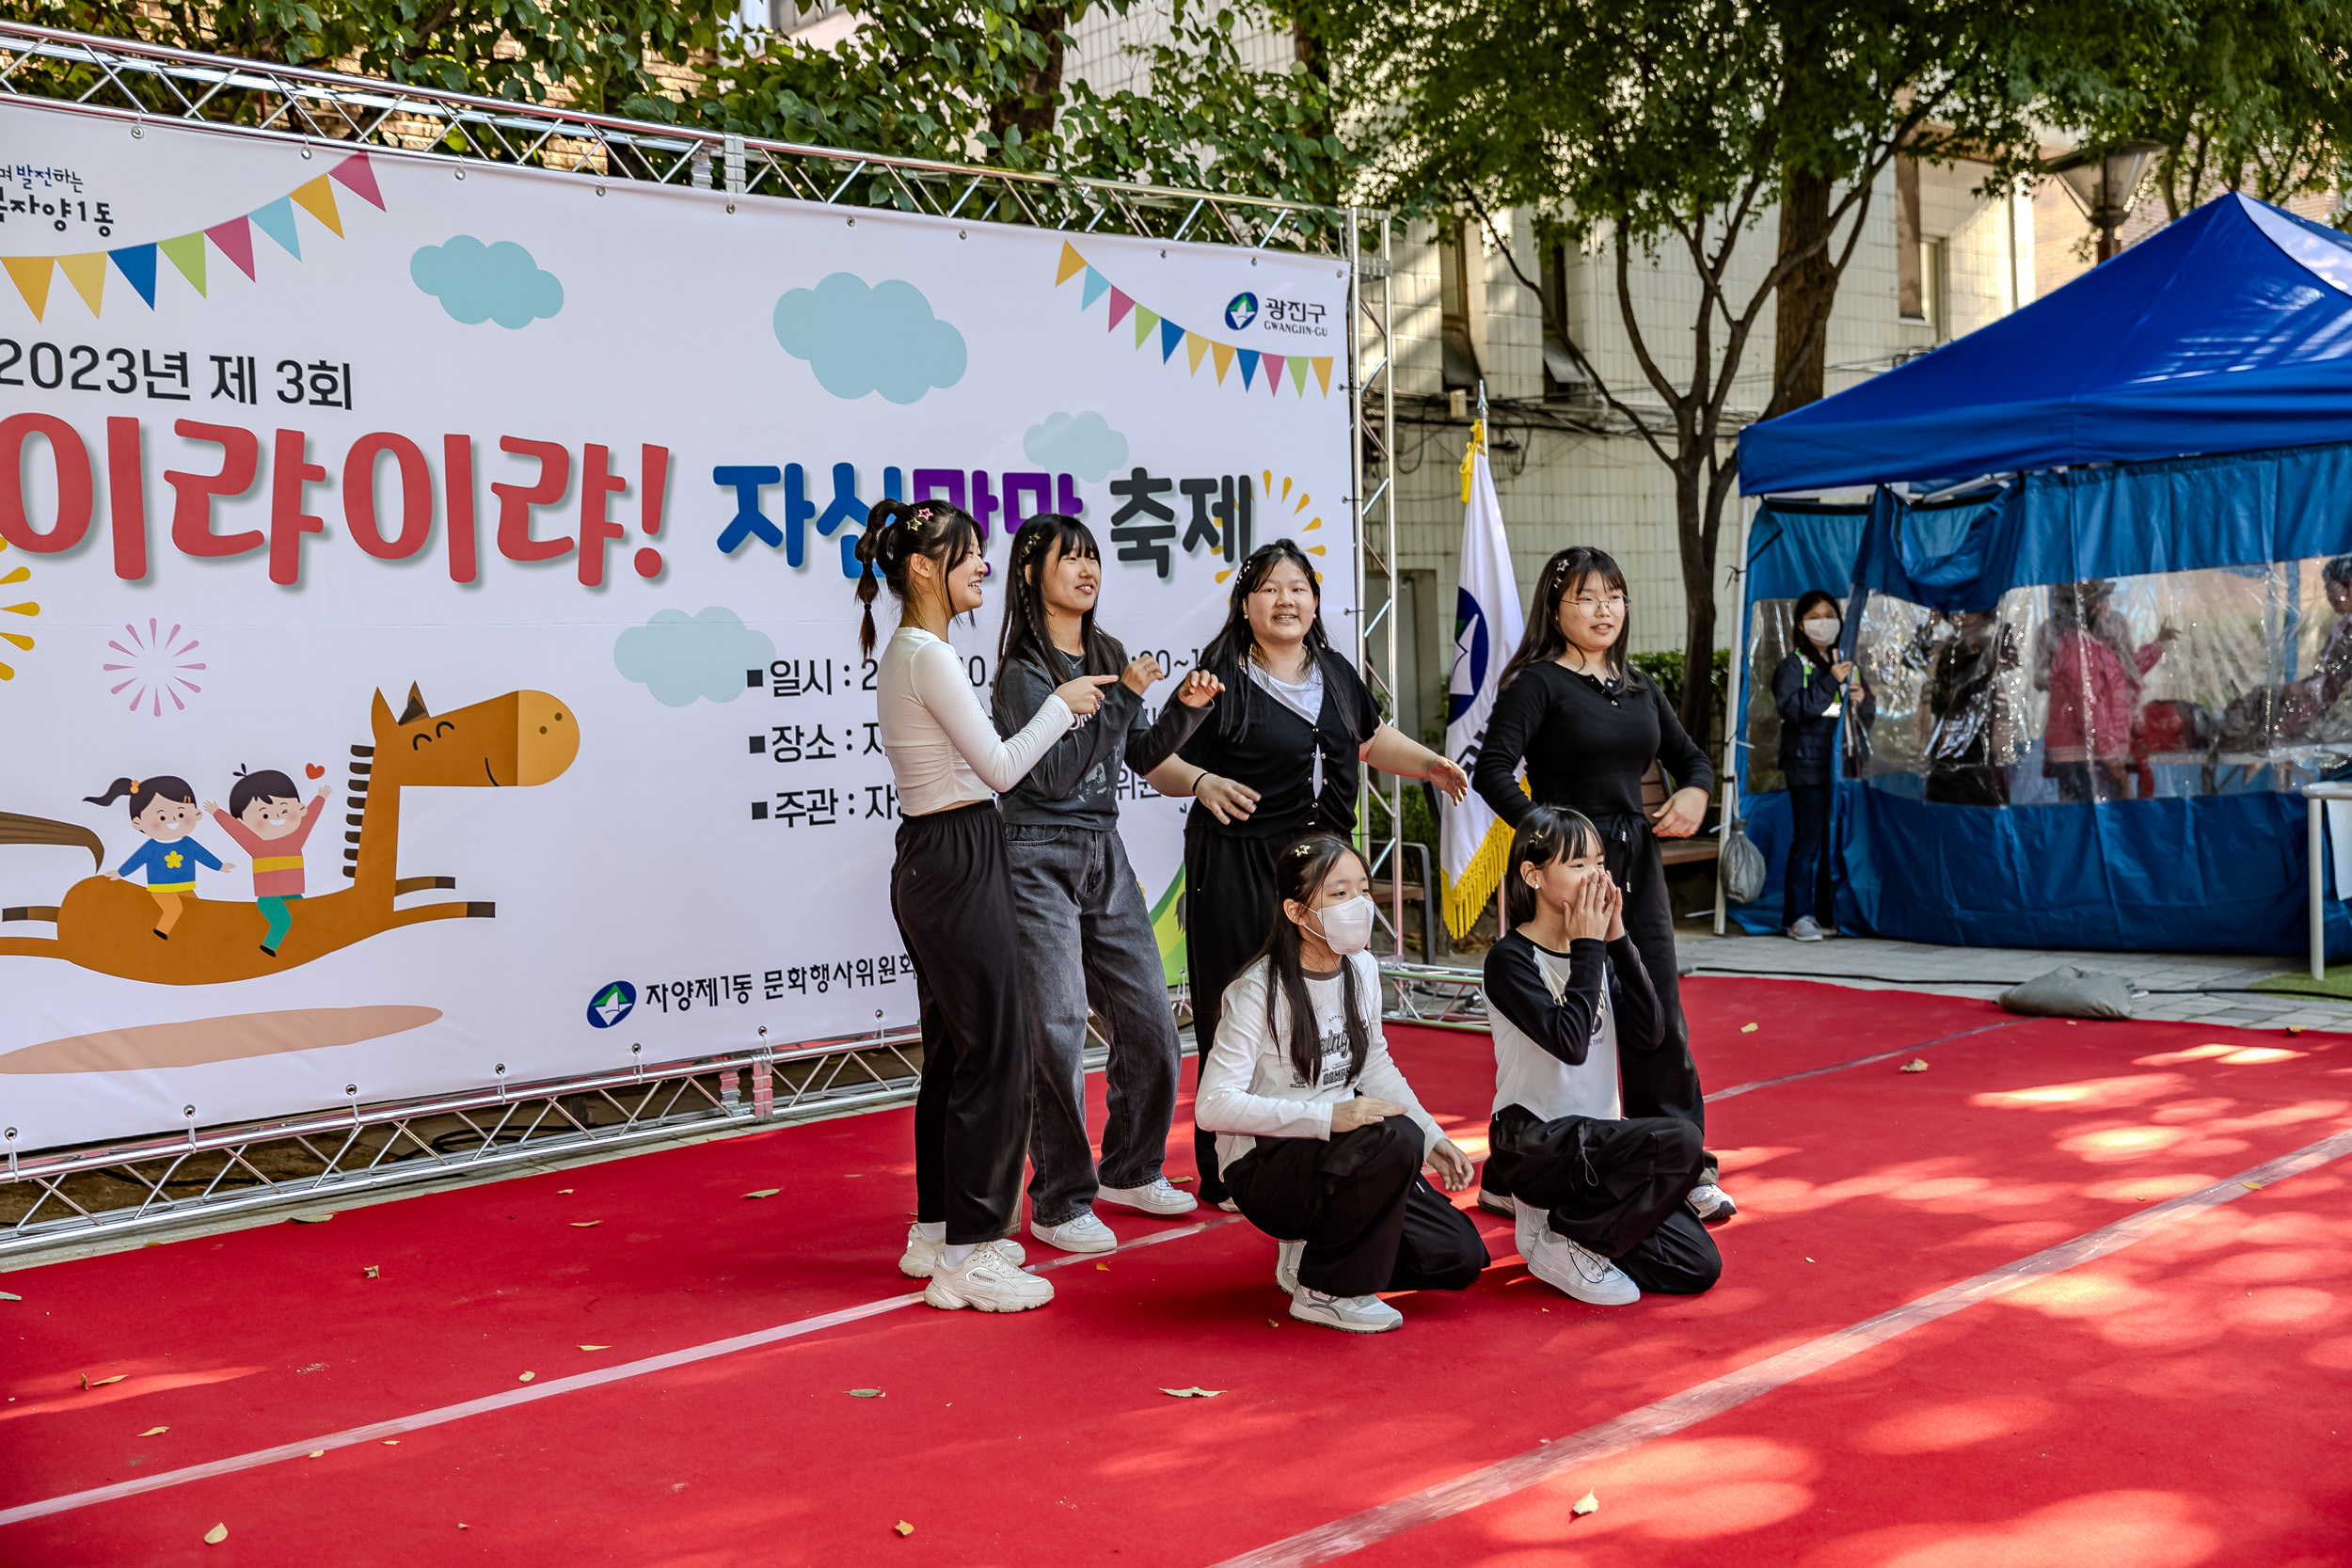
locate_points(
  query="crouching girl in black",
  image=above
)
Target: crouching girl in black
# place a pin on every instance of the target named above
(1320, 1139)
(1600, 1200)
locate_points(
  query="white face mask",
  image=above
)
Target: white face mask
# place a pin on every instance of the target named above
(1822, 629)
(1347, 927)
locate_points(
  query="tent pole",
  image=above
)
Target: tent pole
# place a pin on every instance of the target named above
(1738, 708)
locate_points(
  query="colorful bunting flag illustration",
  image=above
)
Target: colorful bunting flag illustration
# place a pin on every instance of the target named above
(32, 275)
(1253, 362)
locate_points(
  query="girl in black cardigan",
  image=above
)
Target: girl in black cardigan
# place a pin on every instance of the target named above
(1588, 726)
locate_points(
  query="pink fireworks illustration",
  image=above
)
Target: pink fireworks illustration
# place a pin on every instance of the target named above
(155, 671)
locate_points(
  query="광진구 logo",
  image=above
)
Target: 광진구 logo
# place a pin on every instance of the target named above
(611, 1004)
(1242, 311)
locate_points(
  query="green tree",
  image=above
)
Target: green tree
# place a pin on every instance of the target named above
(1652, 128)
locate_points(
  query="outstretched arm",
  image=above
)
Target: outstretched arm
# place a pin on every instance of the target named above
(946, 691)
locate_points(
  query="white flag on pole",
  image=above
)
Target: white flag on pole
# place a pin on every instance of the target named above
(1487, 624)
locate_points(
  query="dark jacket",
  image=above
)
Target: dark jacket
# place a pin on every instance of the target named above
(1803, 691)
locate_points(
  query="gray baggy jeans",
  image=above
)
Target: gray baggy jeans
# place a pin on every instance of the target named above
(1087, 941)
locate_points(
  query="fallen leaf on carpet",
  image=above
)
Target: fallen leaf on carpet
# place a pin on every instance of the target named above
(1272, 1322)
(372, 1272)
(562, 1190)
(1747, 1028)
(312, 1219)
(9, 1295)
(1586, 1504)
(2251, 1186)
(583, 1224)
(526, 1377)
(765, 1192)
(1915, 1065)
(88, 1382)
(154, 1432)
(904, 1527)
(318, 1453)
(1194, 1392)
(217, 1534)
(1105, 1267)
(461, 1524)
(391, 1442)
(2296, 1028)
(1180, 1181)
(595, 1347)
(864, 1393)
(1808, 1259)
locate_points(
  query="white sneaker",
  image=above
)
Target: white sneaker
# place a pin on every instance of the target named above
(1806, 930)
(922, 1253)
(986, 1280)
(1586, 1276)
(1286, 1256)
(1711, 1204)
(1529, 1226)
(1155, 1197)
(1084, 1234)
(1348, 1314)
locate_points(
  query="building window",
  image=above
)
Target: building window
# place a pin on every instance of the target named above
(1910, 294)
(1935, 288)
(1454, 308)
(1563, 378)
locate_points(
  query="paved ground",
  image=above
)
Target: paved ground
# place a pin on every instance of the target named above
(2182, 987)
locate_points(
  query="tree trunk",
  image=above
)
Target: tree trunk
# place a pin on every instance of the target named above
(1031, 110)
(1801, 304)
(1695, 532)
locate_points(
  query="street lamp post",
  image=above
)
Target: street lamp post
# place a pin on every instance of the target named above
(2104, 183)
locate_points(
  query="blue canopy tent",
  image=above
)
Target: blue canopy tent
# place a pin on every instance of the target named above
(2167, 446)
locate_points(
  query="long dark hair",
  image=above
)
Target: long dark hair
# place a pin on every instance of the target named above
(1796, 624)
(1563, 575)
(1229, 653)
(1025, 636)
(143, 793)
(897, 533)
(1545, 834)
(1299, 869)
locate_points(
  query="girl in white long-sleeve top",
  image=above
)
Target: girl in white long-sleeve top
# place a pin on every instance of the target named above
(951, 893)
(1321, 1140)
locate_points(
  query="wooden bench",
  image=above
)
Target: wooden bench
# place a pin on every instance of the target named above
(1702, 846)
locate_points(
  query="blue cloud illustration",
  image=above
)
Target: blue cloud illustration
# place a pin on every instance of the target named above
(860, 340)
(678, 656)
(477, 283)
(1080, 444)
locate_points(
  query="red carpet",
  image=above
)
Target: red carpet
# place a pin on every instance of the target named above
(2181, 1401)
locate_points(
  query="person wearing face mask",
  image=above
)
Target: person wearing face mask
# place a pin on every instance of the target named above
(953, 895)
(1600, 1203)
(1319, 1138)
(1810, 689)
(1281, 752)
(1086, 934)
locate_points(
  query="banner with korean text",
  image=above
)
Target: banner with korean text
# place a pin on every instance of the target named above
(427, 651)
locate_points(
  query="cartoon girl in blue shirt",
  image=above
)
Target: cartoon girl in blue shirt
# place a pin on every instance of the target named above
(162, 811)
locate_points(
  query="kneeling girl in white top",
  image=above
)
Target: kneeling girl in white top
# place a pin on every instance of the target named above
(1320, 1139)
(1599, 1199)
(952, 893)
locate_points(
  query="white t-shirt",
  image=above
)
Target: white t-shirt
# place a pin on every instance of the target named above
(942, 750)
(1527, 1074)
(1305, 699)
(1250, 1088)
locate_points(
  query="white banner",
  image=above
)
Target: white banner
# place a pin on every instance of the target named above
(508, 515)
(1487, 627)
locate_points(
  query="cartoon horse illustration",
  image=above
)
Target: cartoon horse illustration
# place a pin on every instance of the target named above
(524, 738)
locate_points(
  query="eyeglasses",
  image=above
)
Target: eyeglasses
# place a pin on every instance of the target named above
(1588, 604)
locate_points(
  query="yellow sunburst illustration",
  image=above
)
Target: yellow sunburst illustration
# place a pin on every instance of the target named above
(29, 609)
(1298, 508)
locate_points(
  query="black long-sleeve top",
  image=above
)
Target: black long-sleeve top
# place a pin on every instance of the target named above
(1076, 783)
(1803, 693)
(1515, 988)
(1586, 745)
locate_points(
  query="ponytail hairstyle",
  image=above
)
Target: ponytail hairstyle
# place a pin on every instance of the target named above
(895, 532)
(1565, 576)
(143, 793)
(1040, 539)
(1545, 834)
(1299, 869)
(1796, 624)
(1232, 652)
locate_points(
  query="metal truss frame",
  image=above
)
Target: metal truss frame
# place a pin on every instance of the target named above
(79, 1196)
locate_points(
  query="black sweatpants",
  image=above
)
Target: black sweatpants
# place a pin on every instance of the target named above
(952, 895)
(1230, 905)
(1370, 1219)
(1664, 1082)
(1615, 1188)
(1804, 886)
